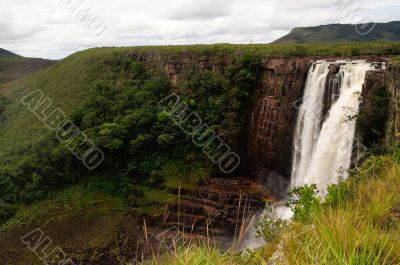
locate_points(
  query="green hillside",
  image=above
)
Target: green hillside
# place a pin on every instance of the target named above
(339, 33)
(111, 97)
(14, 67)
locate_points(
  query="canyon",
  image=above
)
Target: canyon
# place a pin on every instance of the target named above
(223, 207)
(267, 147)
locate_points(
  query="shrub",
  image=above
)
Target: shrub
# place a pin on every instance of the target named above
(270, 228)
(339, 193)
(396, 152)
(304, 201)
(3, 103)
(6, 211)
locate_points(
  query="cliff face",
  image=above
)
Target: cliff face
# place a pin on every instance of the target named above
(266, 144)
(273, 115)
(389, 80)
(221, 210)
(181, 67)
(393, 86)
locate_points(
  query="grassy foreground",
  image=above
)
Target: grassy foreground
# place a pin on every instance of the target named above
(357, 224)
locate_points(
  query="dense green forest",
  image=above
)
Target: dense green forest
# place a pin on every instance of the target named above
(113, 100)
(141, 144)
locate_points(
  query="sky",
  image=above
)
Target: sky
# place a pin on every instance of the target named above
(54, 29)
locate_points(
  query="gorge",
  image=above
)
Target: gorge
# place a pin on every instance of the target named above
(292, 101)
(301, 130)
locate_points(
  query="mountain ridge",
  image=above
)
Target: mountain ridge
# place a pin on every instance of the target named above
(6, 53)
(337, 33)
(14, 67)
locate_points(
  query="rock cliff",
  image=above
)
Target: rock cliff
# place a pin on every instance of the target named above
(266, 143)
(387, 79)
(270, 117)
(273, 114)
(393, 86)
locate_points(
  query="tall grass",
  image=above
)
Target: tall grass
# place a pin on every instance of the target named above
(207, 254)
(361, 231)
(196, 255)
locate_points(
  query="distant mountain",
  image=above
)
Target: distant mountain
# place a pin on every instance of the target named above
(336, 33)
(8, 54)
(14, 67)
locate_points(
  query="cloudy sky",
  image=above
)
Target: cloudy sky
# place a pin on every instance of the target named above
(56, 28)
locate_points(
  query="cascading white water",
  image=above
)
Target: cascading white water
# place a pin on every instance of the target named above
(308, 122)
(323, 144)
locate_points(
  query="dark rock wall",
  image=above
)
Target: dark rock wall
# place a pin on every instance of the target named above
(388, 79)
(332, 93)
(273, 115)
(180, 67)
(393, 86)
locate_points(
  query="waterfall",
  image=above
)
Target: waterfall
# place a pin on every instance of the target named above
(324, 132)
(308, 122)
(323, 144)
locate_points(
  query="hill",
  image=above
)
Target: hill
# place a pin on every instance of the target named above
(14, 67)
(4, 53)
(339, 33)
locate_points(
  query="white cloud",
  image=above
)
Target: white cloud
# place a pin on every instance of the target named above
(48, 29)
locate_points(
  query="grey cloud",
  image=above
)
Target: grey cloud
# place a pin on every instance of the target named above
(12, 30)
(199, 10)
(47, 28)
